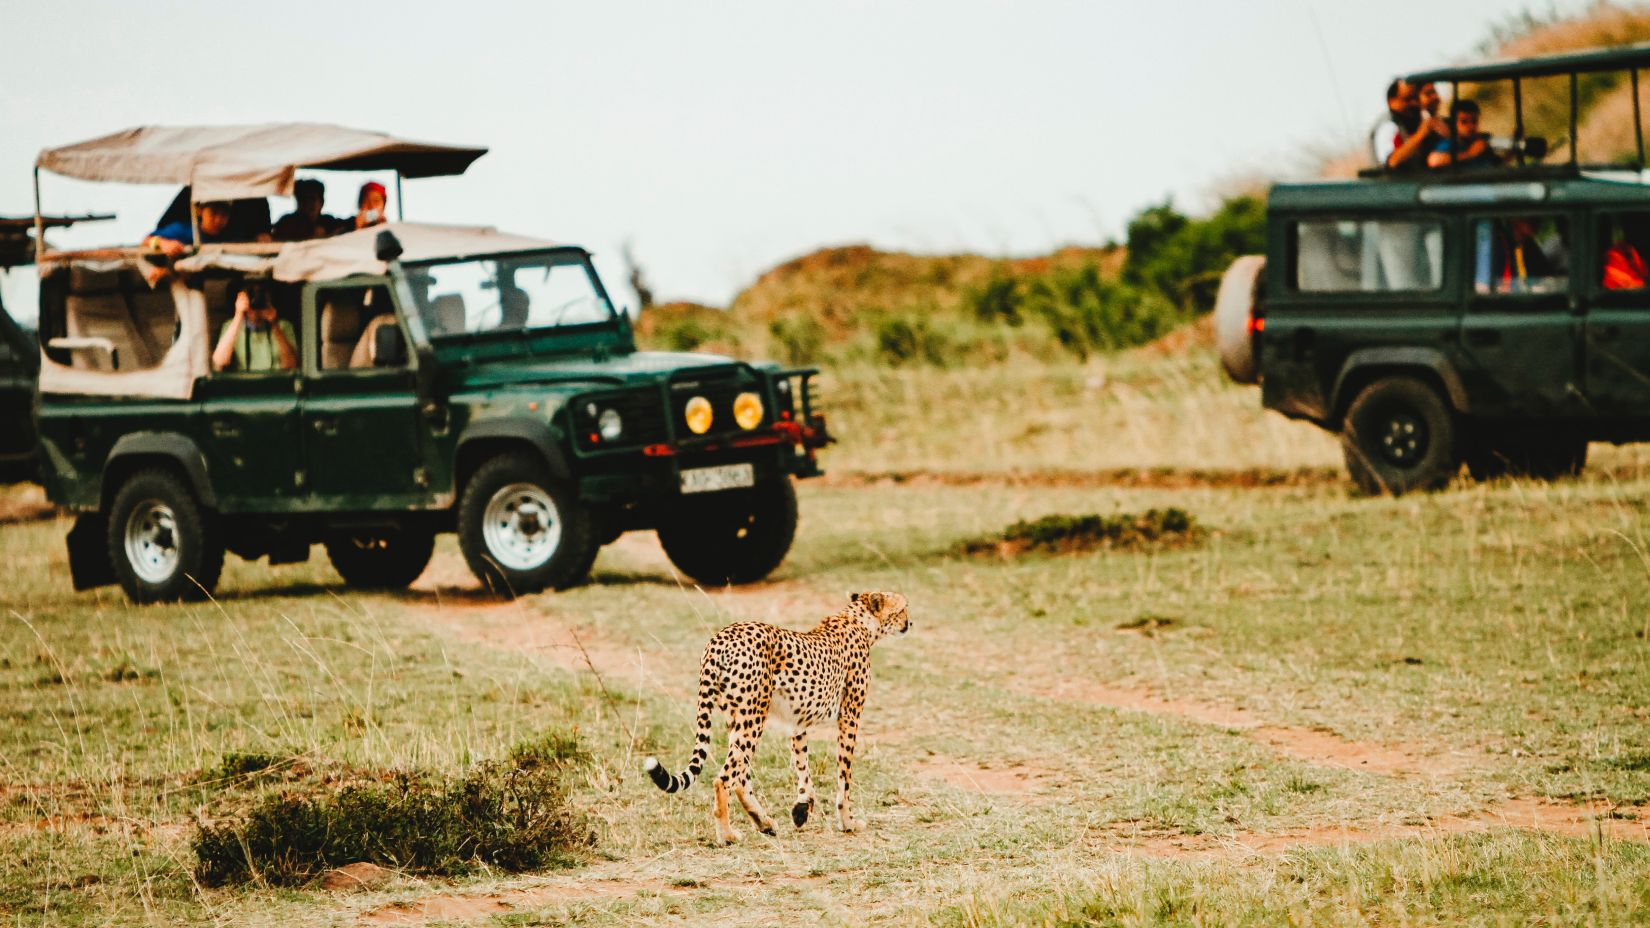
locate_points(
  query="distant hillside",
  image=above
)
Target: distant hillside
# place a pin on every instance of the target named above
(855, 303)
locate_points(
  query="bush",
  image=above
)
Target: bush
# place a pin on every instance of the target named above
(514, 816)
(1060, 534)
(901, 340)
(800, 340)
(1182, 259)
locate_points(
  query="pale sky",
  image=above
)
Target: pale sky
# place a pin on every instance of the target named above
(721, 138)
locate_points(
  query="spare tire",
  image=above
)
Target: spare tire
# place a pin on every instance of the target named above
(1239, 291)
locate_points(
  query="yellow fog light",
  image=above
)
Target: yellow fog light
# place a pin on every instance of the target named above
(698, 415)
(747, 410)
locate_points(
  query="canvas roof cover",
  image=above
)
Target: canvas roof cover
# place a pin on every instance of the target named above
(233, 162)
(356, 252)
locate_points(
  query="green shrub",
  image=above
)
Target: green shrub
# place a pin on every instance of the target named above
(902, 340)
(1182, 259)
(800, 340)
(1060, 534)
(514, 816)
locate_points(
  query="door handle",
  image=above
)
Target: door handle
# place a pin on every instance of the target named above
(222, 429)
(328, 427)
(1483, 337)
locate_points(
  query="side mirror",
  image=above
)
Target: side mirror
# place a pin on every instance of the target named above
(387, 246)
(389, 347)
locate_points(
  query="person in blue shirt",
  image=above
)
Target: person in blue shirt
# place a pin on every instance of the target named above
(1474, 146)
(174, 238)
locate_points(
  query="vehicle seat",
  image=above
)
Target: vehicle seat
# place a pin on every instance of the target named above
(363, 354)
(448, 310)
(340, 331)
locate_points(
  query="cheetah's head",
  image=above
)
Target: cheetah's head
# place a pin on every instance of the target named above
(888, 610)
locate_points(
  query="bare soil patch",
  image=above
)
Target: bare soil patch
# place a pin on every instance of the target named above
(24, 503)
(1313, 746)
(1157, 478)
(999, 780)
(574, 647)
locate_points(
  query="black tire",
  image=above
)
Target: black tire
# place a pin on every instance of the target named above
(529, 548)
(1399, 436)
(381, 559)
(735, 536)
(163, 545)
(1540, 457)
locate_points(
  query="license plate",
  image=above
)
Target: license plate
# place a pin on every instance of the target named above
(710, 479)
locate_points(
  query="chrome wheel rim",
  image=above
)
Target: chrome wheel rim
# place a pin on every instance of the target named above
(522, 526)
(152, 542)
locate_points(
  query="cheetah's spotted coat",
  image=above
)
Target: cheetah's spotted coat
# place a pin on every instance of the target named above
(754, 672)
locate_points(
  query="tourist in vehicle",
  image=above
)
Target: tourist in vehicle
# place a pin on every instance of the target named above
(1624, 267)
(1522, 263)
(307, 221)
(1474, 146)
(370, 205)
(174, 238)
(1404, 137)
(255, 339)
(1429, 99)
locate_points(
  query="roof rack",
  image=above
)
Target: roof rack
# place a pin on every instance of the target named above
(1629, 58)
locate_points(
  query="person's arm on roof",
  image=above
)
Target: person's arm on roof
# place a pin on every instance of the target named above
(172, 239)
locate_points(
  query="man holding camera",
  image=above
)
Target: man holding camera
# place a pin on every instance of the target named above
(255, 340)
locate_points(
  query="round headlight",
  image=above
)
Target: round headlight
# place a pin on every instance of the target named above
(747, 410)
(610, 424)
(698, 415)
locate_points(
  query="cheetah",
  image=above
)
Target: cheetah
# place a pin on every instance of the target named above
(756, 672)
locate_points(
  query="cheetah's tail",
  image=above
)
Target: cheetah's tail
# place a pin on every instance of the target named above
(662, 778)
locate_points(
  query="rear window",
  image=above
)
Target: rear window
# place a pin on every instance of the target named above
(1368, 255)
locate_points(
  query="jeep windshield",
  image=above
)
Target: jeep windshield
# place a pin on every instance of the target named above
(508, 293)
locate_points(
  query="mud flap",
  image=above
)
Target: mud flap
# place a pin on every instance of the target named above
(89, 553)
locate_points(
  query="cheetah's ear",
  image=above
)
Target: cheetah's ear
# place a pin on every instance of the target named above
(872, 601)
(853, 597)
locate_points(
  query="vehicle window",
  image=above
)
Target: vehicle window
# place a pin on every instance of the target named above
(1521, 255)
(250, 348)
(113, 321)
(1624, 240)
(349, 320)
(1368, 255)
(504, 294)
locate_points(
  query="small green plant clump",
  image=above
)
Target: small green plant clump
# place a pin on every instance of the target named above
(513, 815)
(1062, 534)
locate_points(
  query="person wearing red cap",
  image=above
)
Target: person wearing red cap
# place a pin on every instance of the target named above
(371, 204)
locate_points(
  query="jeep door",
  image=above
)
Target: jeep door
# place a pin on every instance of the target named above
(1520, 331)
(249, 435)
(1618, 315)
(364, 447)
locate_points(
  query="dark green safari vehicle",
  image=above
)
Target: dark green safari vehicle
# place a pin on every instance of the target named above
(18, 366)
(1497, 318)
(448, 380)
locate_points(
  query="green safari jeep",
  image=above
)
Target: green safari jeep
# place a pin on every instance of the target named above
(1497, 318)
(449, 380)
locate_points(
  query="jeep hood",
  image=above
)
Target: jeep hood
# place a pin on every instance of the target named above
(636, 367)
